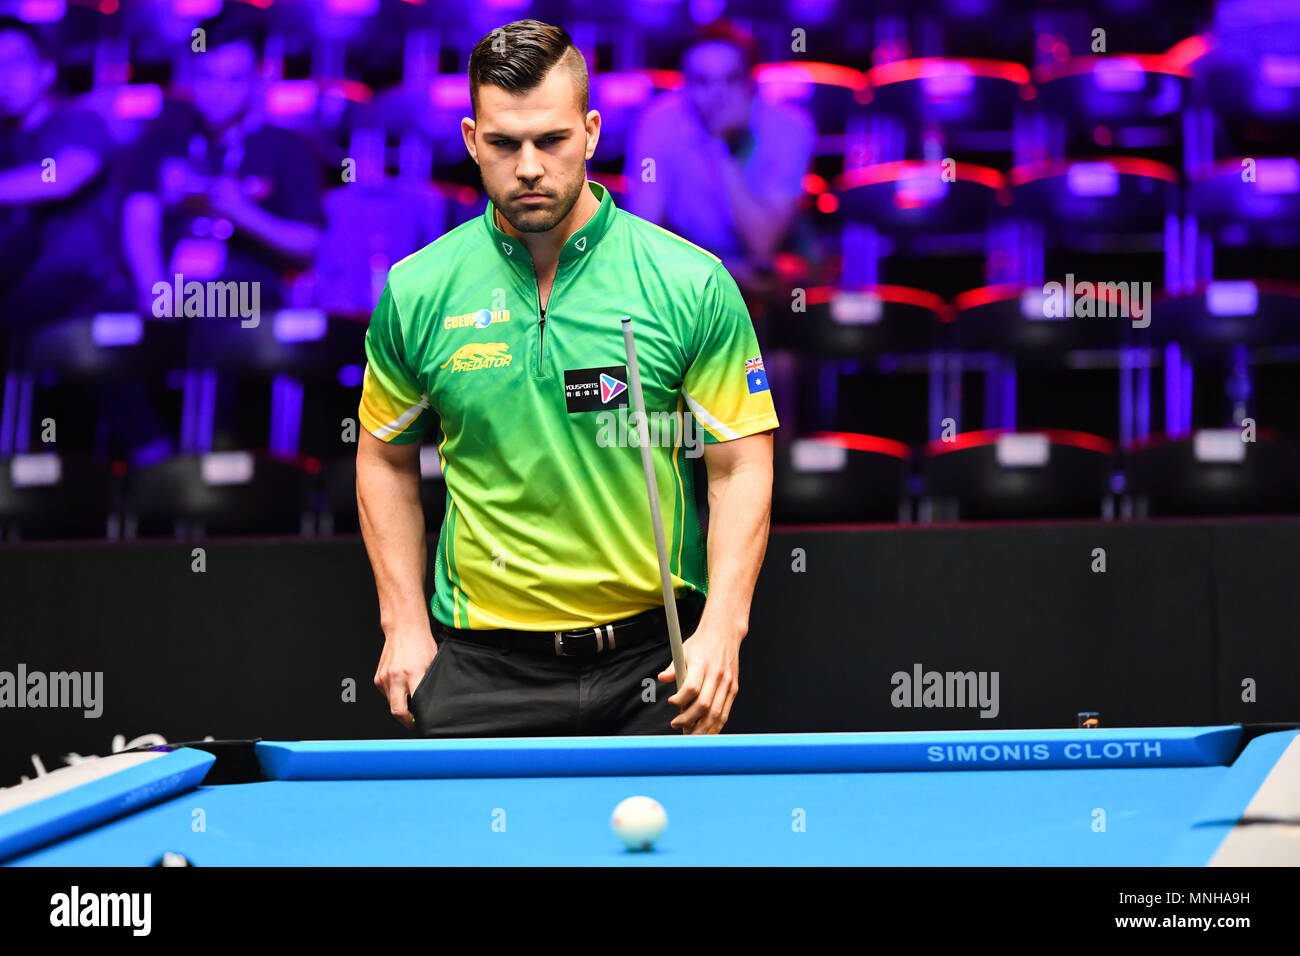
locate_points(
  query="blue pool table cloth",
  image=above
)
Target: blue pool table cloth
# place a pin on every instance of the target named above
(1113, 797)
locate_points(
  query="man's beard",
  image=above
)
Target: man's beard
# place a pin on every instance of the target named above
(526, 219)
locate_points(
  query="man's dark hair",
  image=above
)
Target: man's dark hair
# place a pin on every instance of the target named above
(724, 31)
(236, 23)
(519, 55)
(33, 34)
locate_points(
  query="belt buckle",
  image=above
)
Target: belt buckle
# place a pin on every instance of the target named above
(604, 640)
(560, 649)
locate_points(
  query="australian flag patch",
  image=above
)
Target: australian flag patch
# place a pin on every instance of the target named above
(755, 375)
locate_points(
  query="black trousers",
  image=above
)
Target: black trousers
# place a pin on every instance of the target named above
(473, 690)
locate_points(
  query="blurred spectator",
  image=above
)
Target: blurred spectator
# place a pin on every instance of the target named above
(58, 251)
(728, 167)
(214, 194)
(374, 220)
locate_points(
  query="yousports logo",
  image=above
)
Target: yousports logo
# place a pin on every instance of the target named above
(610, 387)
(595, 389)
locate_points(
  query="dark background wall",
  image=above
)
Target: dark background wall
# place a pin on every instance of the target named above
(263, 643)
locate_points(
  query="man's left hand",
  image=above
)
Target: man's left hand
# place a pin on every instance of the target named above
(712, 681)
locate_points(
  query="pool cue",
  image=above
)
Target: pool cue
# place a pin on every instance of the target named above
(652, 489)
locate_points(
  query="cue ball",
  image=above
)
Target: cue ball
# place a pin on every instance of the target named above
(173, 859)
(638, 822)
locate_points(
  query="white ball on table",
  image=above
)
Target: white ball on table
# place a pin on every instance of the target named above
(639, 822)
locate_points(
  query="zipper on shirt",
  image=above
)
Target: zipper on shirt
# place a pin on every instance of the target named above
(541, 336)
(541, 322)
(541, 318)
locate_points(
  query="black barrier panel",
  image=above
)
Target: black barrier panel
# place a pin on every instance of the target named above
(1023, 603)
(265, 641)
(1257, 608)
(260, 644)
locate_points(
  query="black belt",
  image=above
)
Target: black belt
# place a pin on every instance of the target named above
(582, 641)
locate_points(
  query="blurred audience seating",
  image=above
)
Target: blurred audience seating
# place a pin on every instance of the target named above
(936, 172)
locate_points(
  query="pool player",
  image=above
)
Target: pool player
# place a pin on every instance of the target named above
(501, 343)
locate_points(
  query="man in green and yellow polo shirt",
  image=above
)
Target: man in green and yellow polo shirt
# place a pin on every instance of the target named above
(501, 343)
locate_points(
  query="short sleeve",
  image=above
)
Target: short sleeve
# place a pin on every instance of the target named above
(726, 385)
(394, 406)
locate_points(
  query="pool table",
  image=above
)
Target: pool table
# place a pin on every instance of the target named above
(1123, 797)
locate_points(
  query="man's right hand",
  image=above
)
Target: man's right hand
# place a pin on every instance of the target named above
(402, 666)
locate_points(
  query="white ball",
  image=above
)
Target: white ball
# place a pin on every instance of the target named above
(638, 822)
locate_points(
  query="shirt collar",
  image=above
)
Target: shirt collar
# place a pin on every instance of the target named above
(578, 245)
